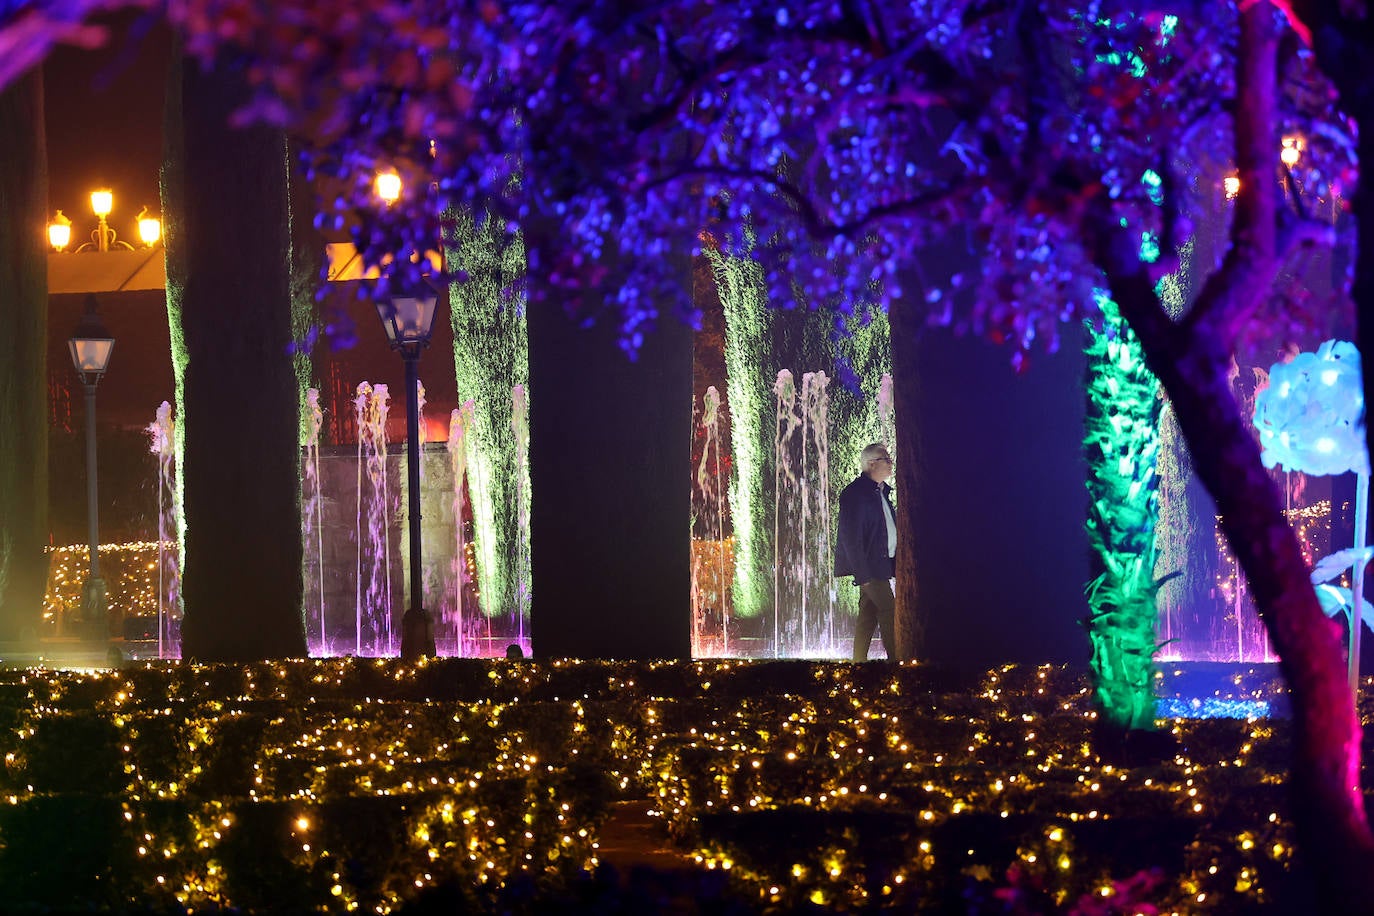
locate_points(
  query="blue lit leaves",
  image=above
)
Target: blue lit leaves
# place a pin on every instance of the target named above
(614, 145)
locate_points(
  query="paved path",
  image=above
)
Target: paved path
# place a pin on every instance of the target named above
(631, 838)
(68, 654)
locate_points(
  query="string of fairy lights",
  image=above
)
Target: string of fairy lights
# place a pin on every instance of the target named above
(131, 576)
(130, 571)
(1312, 524)
(849, 787)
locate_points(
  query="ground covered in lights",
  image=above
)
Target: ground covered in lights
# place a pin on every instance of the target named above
(363, 786)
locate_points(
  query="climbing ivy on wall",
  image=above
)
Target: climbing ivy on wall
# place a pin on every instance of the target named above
(748, 319)
(491, 357)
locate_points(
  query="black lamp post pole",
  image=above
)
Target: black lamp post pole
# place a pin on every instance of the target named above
(92, 499)
(93, 593)
(417, 633)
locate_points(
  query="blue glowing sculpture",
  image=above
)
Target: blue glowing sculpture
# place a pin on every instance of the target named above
(1311, 419)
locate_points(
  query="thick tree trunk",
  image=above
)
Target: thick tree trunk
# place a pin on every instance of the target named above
(1328, 805)
(611, 548)
(23, 356)
(905, 345)
(229, 286)
(1191, 359)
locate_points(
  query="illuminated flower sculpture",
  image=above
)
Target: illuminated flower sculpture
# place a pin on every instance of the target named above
(1311, 419)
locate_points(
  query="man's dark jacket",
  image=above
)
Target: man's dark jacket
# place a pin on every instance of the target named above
(861, 544)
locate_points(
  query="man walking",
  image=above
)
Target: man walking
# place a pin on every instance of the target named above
(866, 548)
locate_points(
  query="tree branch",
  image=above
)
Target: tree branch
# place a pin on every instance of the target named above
(1116, 251)
(817, 226)
(1247, 272)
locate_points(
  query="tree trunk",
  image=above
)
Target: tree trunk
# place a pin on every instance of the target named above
(906, 332)
(1328, 805)
(229, 298)
(1191, 358)
(610, 543)
(23, 357)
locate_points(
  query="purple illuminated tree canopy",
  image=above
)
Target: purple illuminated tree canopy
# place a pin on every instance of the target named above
(845, 135)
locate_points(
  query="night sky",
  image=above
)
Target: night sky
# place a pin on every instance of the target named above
(104, 126)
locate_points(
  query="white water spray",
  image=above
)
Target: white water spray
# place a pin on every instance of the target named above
(520, 426)
(163, 445)
(710, 577)
(373, 632)
(460, 421)
(312, 511)
(803, 584)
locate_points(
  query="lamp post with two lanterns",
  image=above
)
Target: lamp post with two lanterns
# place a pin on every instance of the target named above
(91, 346)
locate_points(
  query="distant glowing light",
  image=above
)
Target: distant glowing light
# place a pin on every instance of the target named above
(102, 202)
(149, 228)
(1291, 151)
(1329, 376)
(388, 187)
(60, 231)
(1232, 185)
(1326, 445)
(1154, 186)
(1149, 247)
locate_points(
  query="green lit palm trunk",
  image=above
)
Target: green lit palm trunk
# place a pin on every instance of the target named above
(1122, 442)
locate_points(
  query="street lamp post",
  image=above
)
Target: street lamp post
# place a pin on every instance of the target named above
(408, 323)
(91, 346)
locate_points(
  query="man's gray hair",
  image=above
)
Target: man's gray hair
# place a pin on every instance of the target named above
(871, 454)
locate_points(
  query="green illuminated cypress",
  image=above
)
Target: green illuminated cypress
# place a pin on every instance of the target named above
(491, 357)
(1122, 444)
